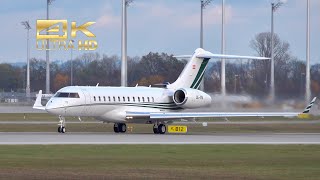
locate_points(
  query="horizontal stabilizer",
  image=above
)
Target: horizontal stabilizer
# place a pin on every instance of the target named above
(183, 56)
(208, 54)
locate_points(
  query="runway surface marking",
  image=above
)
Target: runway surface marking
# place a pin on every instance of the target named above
(110, 138)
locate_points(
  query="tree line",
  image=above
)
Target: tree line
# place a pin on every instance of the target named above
(242, 76)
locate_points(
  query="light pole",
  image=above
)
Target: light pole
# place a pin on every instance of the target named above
(274, 7)
(235, 83)
(28, 27)
(301, 82)
(308, 91)
(223, 62)
(71, 66)
(124, 61)
(203, 4)
(49, 2)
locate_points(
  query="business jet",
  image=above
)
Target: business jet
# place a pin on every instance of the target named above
(149, 105)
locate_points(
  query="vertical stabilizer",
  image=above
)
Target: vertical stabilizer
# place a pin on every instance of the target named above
(193, 72)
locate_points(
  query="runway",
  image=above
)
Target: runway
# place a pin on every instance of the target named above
(179, 122)
(33, 138)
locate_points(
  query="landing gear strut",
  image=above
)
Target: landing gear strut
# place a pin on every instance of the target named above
(62, 124)
(119, 127)
(159, 128)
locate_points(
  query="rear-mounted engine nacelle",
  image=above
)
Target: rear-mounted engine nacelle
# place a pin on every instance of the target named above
(191, 98)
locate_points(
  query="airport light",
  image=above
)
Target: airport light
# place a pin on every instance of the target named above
(308, 91)
(203, 4)
(71, 66)
(49, 2)
(274, 7)
(28, 27)
(124, 61)
(223, 62)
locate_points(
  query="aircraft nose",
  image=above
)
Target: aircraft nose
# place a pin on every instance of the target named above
(49, 108)
(52, 108)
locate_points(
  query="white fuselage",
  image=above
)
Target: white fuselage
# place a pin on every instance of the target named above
(109, 103)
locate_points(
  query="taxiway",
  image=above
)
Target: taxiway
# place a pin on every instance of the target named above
(46, 138)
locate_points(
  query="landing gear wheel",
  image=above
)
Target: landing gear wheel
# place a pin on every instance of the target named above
(122, 127)
(63, 130)
(162, 129)
(116, 127)
(119, 127)
(155, 129)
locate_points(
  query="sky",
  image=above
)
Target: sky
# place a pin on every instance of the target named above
(170, 26)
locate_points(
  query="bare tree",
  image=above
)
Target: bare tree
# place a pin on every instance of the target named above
(261, 69)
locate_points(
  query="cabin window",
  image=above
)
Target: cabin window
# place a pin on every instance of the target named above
(124, 99)
(118, 98)
(152, 99)
(148, 99)
(109, 98)
(99, 98)
(104, 98)
(142, 99)
(138, 99)
(114, 99)
(128, 99)
(134, 100)
(94, 98)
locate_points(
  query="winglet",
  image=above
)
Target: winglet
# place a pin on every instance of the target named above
(307, 109)
(305, 114)
(37, 103)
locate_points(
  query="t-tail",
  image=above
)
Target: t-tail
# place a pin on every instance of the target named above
(194, 71)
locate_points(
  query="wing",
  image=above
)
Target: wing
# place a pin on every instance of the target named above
(182, 115)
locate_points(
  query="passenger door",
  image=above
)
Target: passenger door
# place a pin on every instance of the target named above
(65, 105)
(87, 106)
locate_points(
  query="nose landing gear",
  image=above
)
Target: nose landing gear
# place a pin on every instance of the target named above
(62, 124)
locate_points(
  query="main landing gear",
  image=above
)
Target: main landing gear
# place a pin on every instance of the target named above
(120, 127)
(62, 125)
(159, 128)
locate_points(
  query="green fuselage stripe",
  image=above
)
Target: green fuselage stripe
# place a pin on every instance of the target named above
(171, 106)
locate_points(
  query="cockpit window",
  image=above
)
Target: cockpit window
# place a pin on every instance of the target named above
(67, 95)
(61, 94)
(74, 95)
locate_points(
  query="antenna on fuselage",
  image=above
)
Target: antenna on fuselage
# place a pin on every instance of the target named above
(97, 85)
